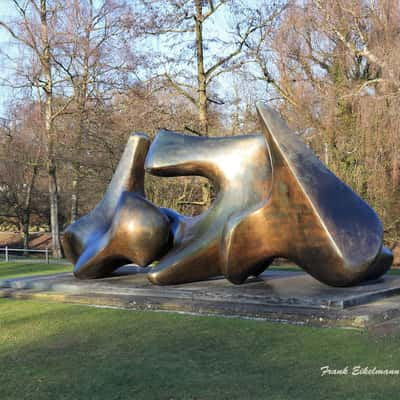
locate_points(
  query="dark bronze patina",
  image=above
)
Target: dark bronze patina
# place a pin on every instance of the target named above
(275, 199)
(309, 216)
(124, 227)
(240, 170)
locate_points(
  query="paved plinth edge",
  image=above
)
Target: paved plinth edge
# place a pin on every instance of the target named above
(276, 295)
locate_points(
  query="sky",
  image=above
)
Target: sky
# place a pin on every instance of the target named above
(220, 26)
(6, 9)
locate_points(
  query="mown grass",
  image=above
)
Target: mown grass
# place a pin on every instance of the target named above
(19, 269)
(58, 351)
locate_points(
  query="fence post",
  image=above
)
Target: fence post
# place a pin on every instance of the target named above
(6, 253)
(47, 256)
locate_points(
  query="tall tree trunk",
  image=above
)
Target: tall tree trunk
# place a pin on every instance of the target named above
(81, 99)
(395, 170)
(236, 114)
(81, 94)
(202, 93)
(26, 212)
(48, 116)
(201, 75)
(53, 195)
(25, 231)
(75, 192)
(26, 234)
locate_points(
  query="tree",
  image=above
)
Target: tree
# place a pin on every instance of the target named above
(92, 55)
(333, 70)
(195, 53)
(36, 30)
(20, 164)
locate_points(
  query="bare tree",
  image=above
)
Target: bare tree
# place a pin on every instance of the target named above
(92, 55)
(332, 67)
(199, 54)
(20, 163)
(36, 30)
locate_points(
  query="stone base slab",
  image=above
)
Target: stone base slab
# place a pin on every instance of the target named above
(283, 296)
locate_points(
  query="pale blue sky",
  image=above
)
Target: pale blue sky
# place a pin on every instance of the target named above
(7, 10)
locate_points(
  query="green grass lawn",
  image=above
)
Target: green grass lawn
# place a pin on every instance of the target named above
(60, 351)
(19, 269)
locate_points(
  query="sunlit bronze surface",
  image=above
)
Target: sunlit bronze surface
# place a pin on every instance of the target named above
(239, 168)
(124, 227)
(275, 198)
(309, 216)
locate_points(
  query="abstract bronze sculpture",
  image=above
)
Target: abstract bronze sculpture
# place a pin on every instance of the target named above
(240, 170)
(275, 199)
(123, 227)
(310, 217)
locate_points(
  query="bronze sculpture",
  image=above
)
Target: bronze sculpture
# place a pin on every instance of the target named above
(124, 227)
(310, 217)
(275, 199)
(239, 168)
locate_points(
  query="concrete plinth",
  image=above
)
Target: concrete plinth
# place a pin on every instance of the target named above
(275, 295)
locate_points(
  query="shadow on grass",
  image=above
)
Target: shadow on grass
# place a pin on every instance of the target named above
(72, 352)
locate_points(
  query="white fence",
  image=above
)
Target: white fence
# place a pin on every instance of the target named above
(11, 253)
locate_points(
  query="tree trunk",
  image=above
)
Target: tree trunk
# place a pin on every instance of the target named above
(48, 116)
(53, 196)
(81, 94)
(395, 170)
(75, 194)
(201, 75)
(25, 230)
(78, 148)
(236, 115)
(206, 196)
(26, 212)
(202, 92)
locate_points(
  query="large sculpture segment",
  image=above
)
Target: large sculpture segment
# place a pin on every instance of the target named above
(312, 218)
(239, 168)
(124, 227)
(275, 198)
(139, 233)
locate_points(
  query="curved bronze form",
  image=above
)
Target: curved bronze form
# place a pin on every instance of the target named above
(123, 227)
(239, 167)
(275, 199)
(310, 217)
